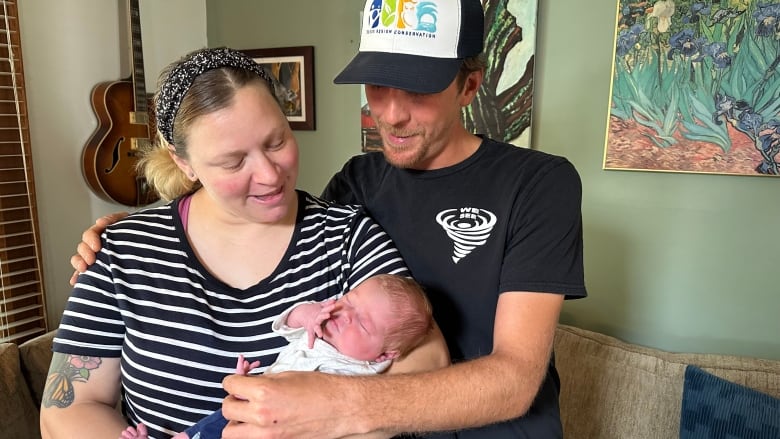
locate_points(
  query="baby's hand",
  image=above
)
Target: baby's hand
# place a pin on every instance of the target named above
(243, 367)
(139, 432)
(314, 327)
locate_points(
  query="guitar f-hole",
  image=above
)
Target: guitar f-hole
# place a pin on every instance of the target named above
(115, 155)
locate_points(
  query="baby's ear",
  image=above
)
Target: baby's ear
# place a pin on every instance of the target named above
(387, 355)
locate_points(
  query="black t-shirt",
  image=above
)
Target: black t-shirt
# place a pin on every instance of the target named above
(505, 219)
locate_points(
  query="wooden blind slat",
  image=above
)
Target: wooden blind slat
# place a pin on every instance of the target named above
(9, 93)
(13, 176)
(8, 327)
(23, 310)
(20, 337)
(20, 265)
(22, 259)
(18, 298)
(20, 285)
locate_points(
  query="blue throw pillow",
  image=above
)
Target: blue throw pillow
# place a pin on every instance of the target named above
(714, 408)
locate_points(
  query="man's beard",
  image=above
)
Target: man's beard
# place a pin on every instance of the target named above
(403, 156)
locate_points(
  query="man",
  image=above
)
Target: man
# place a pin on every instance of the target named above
(493, 232)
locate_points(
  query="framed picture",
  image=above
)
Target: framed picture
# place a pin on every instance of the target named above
(695, 88)
(293, 67)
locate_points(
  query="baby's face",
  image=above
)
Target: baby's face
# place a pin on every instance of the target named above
(360, 322)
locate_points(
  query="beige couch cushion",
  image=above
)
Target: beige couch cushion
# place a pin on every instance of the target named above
(36, 357)
(613, 389)
(19, 419)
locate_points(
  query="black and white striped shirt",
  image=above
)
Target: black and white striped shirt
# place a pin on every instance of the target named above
(179, 330)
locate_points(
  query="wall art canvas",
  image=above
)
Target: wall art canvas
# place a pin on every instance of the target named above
(696, 87)
(502, 108)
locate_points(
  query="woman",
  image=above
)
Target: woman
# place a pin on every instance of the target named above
(178, 291)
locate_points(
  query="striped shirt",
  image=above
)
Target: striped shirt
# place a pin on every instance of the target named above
(178, 330)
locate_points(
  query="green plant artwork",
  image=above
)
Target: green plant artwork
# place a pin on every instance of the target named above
(696, 87)
(502, 108)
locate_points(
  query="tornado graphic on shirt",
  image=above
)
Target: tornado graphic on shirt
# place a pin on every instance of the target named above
(467, 227)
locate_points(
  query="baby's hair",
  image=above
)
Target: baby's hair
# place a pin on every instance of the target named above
(412, 310)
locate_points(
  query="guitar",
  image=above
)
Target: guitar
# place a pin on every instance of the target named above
(109, 156)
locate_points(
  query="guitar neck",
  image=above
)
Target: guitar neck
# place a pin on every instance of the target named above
(139, 81)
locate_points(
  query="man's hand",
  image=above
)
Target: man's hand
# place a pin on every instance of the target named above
(271, 407)
(90, 244)
(302, 403)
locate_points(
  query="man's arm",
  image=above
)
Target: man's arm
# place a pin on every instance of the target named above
(430, 354)
(80, 397)
(493, 388)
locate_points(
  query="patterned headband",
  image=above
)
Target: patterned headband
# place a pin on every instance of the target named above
(180, 79)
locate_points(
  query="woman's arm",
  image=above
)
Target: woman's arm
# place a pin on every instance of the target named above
(80, 398)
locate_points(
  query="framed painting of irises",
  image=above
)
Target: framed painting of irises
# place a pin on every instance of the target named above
(696, 87)
(502, 108)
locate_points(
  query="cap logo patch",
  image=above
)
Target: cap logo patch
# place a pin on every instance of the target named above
(403, 15)
(413, 27)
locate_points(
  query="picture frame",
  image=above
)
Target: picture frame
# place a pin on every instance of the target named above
(293, 68)
(694, 90)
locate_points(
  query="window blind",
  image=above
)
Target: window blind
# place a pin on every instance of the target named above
(22, 304)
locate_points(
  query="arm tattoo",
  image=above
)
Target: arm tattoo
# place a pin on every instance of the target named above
(64, 371)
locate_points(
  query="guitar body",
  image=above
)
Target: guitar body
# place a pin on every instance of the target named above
(108, 160)
(109, 156)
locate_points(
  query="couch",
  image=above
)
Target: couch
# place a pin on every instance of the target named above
(23, 371)
(610, 389)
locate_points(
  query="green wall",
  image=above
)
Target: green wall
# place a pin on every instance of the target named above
(682, 262)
